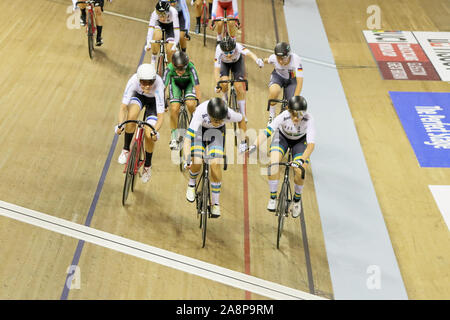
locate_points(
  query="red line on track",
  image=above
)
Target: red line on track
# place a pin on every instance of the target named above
(245, 187)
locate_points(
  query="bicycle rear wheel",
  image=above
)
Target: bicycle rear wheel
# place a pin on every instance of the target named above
(90, 36)
(129, 174)
(205, 210)
(281, 212)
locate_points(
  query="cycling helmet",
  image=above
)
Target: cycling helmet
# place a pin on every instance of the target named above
(180, 59)
(146, 71)
(162, 7)
(227, 44)
(282, 49)
(217, 108)
(297, 103)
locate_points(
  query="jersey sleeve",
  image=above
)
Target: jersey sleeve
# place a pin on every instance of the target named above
(272, 59)
(298, 67)
(270, 130)
(243, 50)
(159, 95)
(166, 77)
(235, 9)
(194, 75)
(310, 130)
(217, 57)
(129, 91)
(233, 116)
(186, 15)
(214, 9)
(176, 25)
(196, 122)
(151, 28)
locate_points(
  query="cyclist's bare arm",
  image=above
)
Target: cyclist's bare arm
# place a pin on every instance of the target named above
(123, 111)
(197, 92)
(299, 86)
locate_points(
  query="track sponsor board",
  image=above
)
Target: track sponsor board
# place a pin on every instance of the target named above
(425, 117)
(437, 47)
(406, 55)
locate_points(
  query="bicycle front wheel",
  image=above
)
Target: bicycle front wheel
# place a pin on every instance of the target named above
(205, 210)
(204, 24)
(90, 36)
(183, 123)
(281, 212)
(129, 174)
(235, 107)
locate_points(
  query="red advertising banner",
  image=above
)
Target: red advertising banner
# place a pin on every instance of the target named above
(401, 70)
(406, 55)
(398, 52)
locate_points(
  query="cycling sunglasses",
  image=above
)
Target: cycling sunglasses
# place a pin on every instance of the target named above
(146, 83)
(181, 68)
(298, 114)
(161, 14)
(228, 52)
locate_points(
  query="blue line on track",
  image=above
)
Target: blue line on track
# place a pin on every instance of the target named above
(79, 249)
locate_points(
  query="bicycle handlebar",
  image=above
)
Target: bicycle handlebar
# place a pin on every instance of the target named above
(232, 82)
(87, 2)
(224, 20)
(139, 123)
(287, 164)
(283, 102)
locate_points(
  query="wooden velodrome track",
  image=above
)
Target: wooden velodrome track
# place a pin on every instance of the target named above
(57, 113)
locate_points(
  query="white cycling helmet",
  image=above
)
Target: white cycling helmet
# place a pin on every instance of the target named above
(146, 71)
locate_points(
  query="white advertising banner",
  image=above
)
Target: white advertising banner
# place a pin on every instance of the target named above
(437, 47)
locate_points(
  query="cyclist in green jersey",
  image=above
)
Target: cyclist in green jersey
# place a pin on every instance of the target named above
(180, 77)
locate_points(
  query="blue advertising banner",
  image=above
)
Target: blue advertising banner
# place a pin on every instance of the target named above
(425, 117)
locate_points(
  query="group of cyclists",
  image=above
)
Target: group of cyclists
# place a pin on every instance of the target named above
(292, 129)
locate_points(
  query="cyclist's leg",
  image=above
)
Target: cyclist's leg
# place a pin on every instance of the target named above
(82, 7)
(197, 152)
(99, 20)
(231, 25)
(190, 97)
(278, 148)
(224, 72)
(238, 70)
(219, 25)
(170, 36)
(297, 150)
(198, 4)
(275, 89)
(290, 86)
(157, 35)
(215, 150)
(134, 108)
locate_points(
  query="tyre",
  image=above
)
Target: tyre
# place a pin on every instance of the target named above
(129, 174)
(90, 36)
(281, 211)
(205, 209)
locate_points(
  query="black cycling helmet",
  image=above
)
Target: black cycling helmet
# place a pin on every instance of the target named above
(282, 49)
(227, 44)
(180, 59)
(162, 6)
(297, 103)
(217, 108)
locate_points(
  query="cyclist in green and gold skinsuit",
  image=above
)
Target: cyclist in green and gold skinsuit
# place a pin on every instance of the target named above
(180, 77)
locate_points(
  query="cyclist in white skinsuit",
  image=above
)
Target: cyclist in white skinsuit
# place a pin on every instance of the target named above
(163, 17)
(292, 129)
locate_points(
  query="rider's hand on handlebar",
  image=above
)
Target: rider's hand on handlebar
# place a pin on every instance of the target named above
(118, 130)
(218, 89)
(155, 136)
(260, 62)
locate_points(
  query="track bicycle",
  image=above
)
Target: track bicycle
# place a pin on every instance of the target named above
(162, 60)
(225, 21)
(232, 100)
(136, 158)
(91, 27)
(285, 195)
(203, 196)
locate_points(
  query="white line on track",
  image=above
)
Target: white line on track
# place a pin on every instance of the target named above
(173, 260)
(326, 64)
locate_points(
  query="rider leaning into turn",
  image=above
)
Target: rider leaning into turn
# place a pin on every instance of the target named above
(98, 8)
